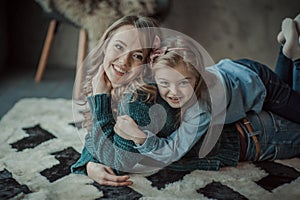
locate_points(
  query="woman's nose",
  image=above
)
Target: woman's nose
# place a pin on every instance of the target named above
(124, 59)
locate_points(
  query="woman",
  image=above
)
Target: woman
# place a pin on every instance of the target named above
(121, 60)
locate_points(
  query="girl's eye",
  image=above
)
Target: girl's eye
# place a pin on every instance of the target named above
(163, 84)
(138, 56)
(184, 83)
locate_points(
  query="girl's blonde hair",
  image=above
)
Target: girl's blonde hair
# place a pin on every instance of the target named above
(133, 82)
(179, 50)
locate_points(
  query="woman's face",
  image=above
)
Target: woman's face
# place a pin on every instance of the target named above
(176, 85)
(122, 54)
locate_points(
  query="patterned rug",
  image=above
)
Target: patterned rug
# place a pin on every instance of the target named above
(40, 141)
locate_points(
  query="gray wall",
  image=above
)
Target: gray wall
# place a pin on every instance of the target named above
(3, 35)
(233, 28)
(226, 28)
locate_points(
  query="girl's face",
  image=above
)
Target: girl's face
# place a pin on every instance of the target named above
(122, 54)
(176, 85)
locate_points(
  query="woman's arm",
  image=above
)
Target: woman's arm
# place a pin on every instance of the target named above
(102, 143)
(100, 173)
(105, 176)
(107, 147)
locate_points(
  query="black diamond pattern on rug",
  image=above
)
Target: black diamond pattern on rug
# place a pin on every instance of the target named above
(9, 186)
(37, 135)
(166, 176)
(278, 175)
(77, 125)
(117, 193)
(218, 191)
(66, 157)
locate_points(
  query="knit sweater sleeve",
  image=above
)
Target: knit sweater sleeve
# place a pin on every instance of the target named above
(80, 166)
(103, 144)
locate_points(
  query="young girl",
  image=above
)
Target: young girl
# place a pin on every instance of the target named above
(258, 147)
(250, 86)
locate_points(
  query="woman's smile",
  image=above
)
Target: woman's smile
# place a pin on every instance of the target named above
(123, 53)
(119, 70)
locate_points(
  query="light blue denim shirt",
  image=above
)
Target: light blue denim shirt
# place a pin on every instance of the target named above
(195, 123)
(245, 91)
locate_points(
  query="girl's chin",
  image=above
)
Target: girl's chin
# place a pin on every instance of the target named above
(174, 105)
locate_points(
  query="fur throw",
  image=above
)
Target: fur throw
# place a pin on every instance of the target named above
(96, 15)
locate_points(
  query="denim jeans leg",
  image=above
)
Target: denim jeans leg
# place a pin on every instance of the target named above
(279, 138)
(280, 99)
(284, 68)
(296, 76)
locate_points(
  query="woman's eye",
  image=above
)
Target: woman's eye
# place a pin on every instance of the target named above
(118, 46)
(138, 56)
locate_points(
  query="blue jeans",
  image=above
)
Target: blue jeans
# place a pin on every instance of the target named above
(288, 71)
(278, 137)
(281, 99)
(296, 76)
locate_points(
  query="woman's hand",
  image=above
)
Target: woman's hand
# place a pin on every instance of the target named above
(105, 176)
(126, 128)
(100, 82)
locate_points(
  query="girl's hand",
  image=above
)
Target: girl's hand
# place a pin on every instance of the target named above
(100, 82)
(126, 128)
(105, 176)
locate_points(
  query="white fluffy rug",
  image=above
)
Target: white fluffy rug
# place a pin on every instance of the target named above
(38, 143)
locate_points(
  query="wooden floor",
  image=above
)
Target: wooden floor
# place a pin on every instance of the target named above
(56, 83)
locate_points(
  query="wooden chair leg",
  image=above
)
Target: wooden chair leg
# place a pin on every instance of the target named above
(81, 53)
(45, 52)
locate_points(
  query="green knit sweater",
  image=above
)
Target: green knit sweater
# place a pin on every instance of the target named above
(102, 145)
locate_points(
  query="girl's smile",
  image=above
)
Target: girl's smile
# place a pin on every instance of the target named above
(176, 85)
(175, 100)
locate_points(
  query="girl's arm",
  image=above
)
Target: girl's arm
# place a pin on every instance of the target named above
(167, 150)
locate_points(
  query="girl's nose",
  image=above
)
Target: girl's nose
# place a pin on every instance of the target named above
(173, 89)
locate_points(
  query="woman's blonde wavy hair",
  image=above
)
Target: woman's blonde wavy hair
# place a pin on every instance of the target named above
(135, 81)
